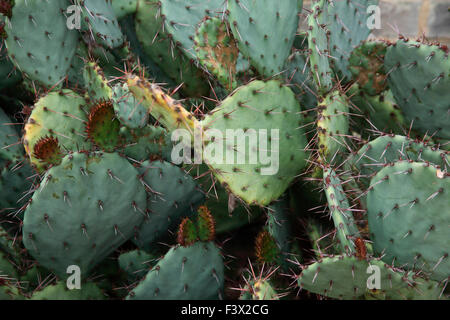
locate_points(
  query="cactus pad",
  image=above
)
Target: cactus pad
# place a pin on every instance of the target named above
(274, 114)
(408, 217)
(217, 51)
(344, 277)
(66, 225)
(420, 84)
(185, 273)
(40, 47)
(60, 115)
(264, 36)
(172, 195)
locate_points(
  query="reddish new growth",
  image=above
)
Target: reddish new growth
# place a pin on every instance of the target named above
(206, 222)
(3, 34)
(102, 127)
(361, 250)
(186, 233)
(100, 112)
(266, 247)
(47, 150)
(6, 8)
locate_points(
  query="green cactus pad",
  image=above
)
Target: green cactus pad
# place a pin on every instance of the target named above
(156, 44)
(379, 112)
(10, 292)
(83, 210)
(8, 279)
(419, 82)
(299, 75)
(228, 216)
(318, 47)
(347, 22)
(136, 264)
(265, 31)
(59, 291)
(10, 147)
(185, 273)
(128, 110)
(272, 113)
(60, 115)
(96, 82)
(279, 225)
(172, 195)
(338, 205)
(40, 47)
(259, 290)
(344, 277)
(16, 181)
(99, 21)
(182, 17)
(76, 71)
(7, 270)
(123, 8)
(9, 75)
(7, 244)
(320, 243)
(217, 51)
(34, 278)
(407, 206)
(146, 143)
(332, 126)
(386, 149)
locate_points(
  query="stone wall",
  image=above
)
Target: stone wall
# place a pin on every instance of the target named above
(412, 18)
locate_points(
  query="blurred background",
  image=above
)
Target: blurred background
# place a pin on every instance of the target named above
(412, 18)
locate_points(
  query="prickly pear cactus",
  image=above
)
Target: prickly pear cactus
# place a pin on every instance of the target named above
(367, 67)
(185, 273)
(59, 291)
(344, 277)
(220, 149)
(340, 211)
(10, 146)
(181, 19)
(100, 23)
(60, 116)
(408, 217)
(318, 47)
(40, 47)
(387, 149)
(217, 51)
(65, 225)
(172, 195)
(258, 181)
(129, 111)
(332, 126)
(157, 44)
(264, 36)
(348, 24)
(419, 84)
